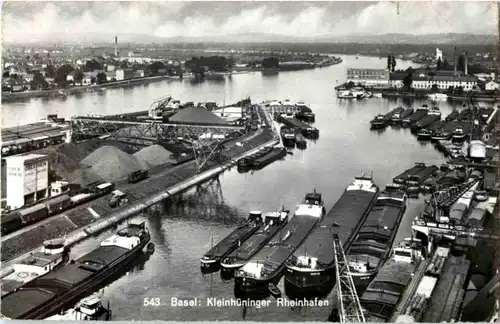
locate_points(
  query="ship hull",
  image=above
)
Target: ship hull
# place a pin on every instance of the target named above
(361, 281)
(77, 292)
(251, 289)
(301, 285)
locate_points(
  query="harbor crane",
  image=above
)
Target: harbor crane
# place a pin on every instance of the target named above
(349, 307)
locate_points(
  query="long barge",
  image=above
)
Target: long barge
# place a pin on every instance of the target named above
(420, 113)
(273, 222)
(397, 118)
(310, 271)
(210, 262)
(372, 246)
(432, 115)
(48, 294)
(401, 178)
(275, 154)
(306, 130)
(265, 269)
(383, 294)
(245, 163)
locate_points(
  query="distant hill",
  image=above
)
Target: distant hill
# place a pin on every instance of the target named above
(395, 38)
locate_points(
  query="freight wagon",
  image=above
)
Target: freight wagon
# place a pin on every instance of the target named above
(137, 176)
(18, 219)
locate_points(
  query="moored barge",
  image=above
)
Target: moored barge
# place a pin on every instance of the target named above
(48, 294)
(210, 262)
(397, 118)
(273, 222)
(310, 272)
(372, 245)
(306, 130)
(253, 280)
(383, 294)
(420, 113)
(275, 154)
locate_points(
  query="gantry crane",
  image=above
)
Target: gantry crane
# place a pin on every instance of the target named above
(349, 307)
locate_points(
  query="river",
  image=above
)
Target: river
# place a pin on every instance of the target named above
(346, 148)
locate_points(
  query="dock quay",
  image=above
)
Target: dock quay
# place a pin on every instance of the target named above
(95, 216)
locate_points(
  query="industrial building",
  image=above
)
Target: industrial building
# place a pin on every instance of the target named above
(27, 179)
(369, 77)
(124, 74)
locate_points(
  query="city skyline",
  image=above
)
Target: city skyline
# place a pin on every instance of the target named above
(96, 21)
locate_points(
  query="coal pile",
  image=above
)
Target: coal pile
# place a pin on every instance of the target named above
(153, 155)
(112, 164)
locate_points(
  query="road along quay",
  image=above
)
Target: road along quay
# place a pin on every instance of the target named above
(147, 193)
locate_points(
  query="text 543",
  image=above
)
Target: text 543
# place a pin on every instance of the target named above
(152, 302)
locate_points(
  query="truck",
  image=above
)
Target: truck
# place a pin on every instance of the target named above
(118, 198)
(137, 176)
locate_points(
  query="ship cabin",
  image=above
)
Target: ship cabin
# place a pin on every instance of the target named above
(314, 198)
(273, 218)
(90, 305)
(255, 216)
(134, 230)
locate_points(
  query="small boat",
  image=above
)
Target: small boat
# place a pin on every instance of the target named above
(343, 93)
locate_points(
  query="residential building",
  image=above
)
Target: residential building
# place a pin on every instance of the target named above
(110, 75)
(110, 68)
(369, 77)
(27, 179)
(87, 78)
(491, 85)
(124, 74)
(139, 74)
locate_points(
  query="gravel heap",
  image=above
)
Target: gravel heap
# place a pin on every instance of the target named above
(112, 164)
(153, 155)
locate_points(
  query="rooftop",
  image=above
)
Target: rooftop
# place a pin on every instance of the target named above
(22, 158)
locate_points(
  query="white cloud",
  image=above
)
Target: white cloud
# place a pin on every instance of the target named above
(166, 19)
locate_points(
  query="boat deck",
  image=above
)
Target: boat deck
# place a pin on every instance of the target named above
(253, 244)
(58, 281)
(277, 251)
(385, 291)
(231, 241)
(342, 219)
(446, 296)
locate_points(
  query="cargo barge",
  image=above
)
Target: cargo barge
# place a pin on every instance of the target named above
(383, 294)
(49, 294)
(433, 115)
(245, 163)
(275, 154)
(402, 178)
(265, 269)
(310, 271)
(420, 113)
(210, 262)
(306, 130)
(382, 120)
(53, 256)
(397, 118)
(305, 113)
(425, 133)
(372, 245)
(273, 222)
(287, 136)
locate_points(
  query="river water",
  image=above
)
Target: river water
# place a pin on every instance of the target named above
(346, 148)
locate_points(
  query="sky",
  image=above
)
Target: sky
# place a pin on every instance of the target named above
(41, 21)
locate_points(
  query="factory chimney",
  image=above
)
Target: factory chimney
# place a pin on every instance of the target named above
(116, 44)
(455, 59)
(466, 63)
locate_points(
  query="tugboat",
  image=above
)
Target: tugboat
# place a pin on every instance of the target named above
(310, 272)
(343, 93)
(253, 279)
(305, 113)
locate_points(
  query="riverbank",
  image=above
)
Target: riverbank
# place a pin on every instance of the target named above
(20, 96)
(425, 94)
